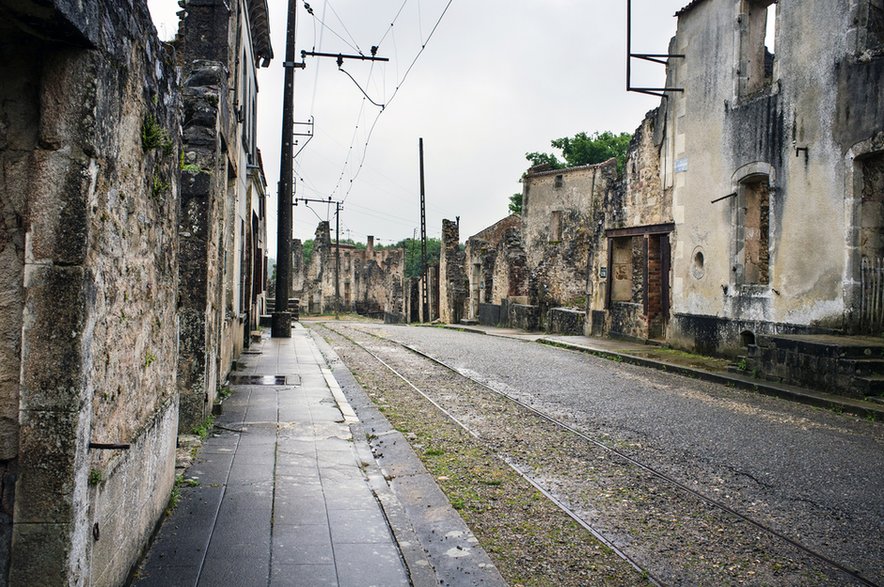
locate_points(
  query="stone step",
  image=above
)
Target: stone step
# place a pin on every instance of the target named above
(861, 367)
(826, 345)
(871, 385)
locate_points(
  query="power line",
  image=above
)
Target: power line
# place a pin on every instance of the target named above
(393, 96)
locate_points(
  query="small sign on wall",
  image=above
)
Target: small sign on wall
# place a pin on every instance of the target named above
(603, 272)
(681, 165)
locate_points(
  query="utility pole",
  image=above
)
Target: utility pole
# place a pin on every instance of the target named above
(426, 274)
(281, 325)
(337, 260)
(338, 207)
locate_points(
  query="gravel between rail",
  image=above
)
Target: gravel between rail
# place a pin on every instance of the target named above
(677, 537)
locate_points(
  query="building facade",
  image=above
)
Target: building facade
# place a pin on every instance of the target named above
(774, 155)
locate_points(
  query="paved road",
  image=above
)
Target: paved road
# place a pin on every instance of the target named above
(813, 474)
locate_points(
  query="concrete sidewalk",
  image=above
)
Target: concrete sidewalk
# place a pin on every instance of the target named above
(696, 366)
(283, 497)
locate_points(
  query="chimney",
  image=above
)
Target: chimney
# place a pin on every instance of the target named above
(370, 246)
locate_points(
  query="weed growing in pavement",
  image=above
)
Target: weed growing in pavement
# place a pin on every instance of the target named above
(224, 392)
(203, 428)
(175, 494)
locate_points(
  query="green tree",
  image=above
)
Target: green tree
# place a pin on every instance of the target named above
(307, 249)
(544, 159)
(412, 249)
(515, 206)
(585, 149)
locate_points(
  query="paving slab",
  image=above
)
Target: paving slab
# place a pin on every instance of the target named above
(283, 498)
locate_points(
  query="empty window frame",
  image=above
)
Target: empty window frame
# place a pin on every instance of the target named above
(555, 226)
(753, 232)
(757, 45)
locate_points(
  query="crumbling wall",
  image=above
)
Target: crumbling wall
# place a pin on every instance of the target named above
(800, 133)
(497, 268)
(563, 212)
(203, 192)
(453, 282)
(89, 194)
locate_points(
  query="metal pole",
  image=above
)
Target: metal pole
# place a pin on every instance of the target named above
(337, 259)
(628, 45)
(424, 295)
(281, 325)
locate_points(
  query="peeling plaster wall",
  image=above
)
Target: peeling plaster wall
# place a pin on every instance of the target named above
(824, 97)
(90, 224)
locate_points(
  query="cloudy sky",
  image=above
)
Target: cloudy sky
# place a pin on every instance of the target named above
(495, 79)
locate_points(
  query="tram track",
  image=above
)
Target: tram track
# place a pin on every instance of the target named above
(777, 557)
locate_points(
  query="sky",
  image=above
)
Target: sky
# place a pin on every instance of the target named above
(483, 82)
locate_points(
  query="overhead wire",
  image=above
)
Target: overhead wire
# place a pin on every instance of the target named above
(393, 96)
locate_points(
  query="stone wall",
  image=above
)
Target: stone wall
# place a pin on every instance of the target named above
(89, 191)
(453, 282)
(563, 214)
(369, 279)
(203, 190)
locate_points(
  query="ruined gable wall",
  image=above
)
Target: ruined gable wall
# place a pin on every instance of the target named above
(558, 268)
(98, 289)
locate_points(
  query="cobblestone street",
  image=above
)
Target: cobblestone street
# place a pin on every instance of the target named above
(692, 481)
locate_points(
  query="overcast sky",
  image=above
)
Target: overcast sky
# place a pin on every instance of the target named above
(497, 79)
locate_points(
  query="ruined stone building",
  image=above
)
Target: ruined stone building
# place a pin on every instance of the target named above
(89, 118)
(132, 265)
(563, 216)
(497, 271)
(223, 231)
(369, 280)
(774, 156)
(629, 285)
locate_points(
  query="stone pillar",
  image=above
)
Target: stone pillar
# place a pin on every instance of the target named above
(452, 277)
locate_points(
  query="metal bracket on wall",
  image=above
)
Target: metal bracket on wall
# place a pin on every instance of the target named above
(661, 58)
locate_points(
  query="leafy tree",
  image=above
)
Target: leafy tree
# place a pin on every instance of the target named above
(544, 159)
(584, 149)
(307, 249)
(413, 254)
(515, 206)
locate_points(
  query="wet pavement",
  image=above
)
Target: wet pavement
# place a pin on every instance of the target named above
(283, 494)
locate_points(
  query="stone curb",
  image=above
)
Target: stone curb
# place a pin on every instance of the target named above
(425, 568)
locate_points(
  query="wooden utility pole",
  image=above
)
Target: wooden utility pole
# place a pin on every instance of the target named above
(281, 325)
(425, 274)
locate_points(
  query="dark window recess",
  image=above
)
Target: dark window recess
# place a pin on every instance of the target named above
(753, 233)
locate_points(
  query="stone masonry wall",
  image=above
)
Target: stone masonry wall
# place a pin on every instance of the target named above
(563, 214)
(89, 194)
(453, 284)
(203, 190)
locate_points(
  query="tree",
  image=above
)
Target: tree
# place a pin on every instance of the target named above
(515, 206)
(307, 249)
(412, 249)
(584, 149)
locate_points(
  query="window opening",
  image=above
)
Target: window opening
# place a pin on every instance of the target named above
(555, 226)
(757, 45)
(755, 225)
